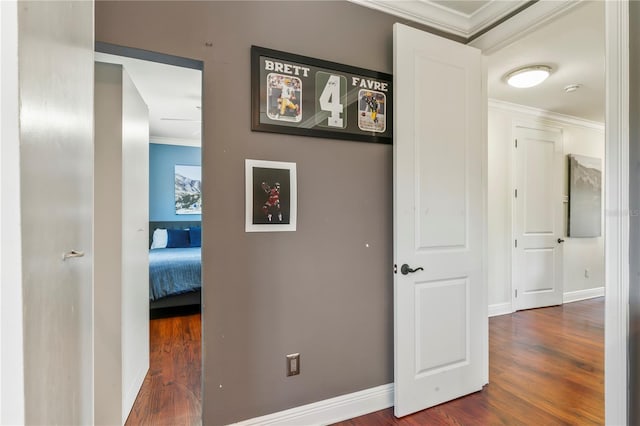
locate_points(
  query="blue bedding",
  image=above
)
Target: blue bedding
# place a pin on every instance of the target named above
(174, 271)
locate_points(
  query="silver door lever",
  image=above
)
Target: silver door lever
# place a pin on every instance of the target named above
(72, 253)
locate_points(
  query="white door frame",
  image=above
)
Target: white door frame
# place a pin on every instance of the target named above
(616, 220)
(12, 402)
(616, 179)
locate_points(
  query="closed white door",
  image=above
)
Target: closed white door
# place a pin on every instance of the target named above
(55, 51)
(440, 308)
(538, 234)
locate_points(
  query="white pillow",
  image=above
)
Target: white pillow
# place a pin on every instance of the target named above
(159, 239)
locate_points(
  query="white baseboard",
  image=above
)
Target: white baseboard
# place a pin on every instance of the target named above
(369, 400)
(330, 410)
(574, 296)
(500, 309)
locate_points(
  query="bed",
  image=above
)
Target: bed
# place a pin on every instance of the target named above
(174, 272)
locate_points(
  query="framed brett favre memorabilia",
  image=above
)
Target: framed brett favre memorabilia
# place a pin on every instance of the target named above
(271, 196)
(310, 97)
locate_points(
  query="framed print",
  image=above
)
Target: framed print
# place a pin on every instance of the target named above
(271, 196)
(310, 97)
(188, 189)
(585, 196)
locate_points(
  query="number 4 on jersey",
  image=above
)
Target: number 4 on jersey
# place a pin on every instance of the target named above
(331, 100)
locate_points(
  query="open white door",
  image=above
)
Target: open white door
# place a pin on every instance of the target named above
(537, 248)
(440, 309)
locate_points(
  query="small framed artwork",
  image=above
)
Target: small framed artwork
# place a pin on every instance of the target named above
(188, 189)
(271, 196)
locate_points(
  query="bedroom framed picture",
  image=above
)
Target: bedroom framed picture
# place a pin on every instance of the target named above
(271, 196)
(188, 189)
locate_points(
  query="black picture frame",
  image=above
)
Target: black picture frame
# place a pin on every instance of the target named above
(364, 112)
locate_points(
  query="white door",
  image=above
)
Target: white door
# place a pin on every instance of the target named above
(440, 309)
(55, 53)
(538, 234)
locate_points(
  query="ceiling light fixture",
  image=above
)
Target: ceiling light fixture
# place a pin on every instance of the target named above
(528, 76)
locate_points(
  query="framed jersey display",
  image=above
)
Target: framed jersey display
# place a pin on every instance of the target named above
(271, 196)
(311, 97)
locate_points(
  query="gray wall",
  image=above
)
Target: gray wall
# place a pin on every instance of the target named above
(325, 290)
(634, 204)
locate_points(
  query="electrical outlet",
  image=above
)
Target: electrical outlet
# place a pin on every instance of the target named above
(586, 273)
(293, 364)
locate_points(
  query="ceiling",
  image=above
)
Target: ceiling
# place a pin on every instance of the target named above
(173, 95)
(576, 56)
(462, 18)
(571, 43)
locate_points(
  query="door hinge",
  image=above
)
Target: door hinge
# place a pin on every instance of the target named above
(516, 292)
(516, 243)
(516, 193)
(516, 143)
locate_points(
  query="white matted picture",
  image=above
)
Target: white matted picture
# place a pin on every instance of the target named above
(271, 196)
(585, 196)
(188, 189)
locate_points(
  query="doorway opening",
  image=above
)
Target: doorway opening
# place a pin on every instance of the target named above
(171, 88)
(529, 176)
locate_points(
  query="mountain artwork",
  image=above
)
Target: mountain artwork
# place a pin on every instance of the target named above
(188, 189)
(585, 196)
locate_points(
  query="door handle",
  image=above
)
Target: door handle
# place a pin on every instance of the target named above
(560, 240)
(72, 254)
(406, 269)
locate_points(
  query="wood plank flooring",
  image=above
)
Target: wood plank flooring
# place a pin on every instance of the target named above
(171, 391)
(546, 368)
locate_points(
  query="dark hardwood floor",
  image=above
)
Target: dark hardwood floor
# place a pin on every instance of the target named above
(171, 392)
(546, 368)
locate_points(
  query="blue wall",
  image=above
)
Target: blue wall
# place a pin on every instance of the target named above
(162, 159)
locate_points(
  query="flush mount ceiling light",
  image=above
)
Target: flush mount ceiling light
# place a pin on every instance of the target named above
(528, 76)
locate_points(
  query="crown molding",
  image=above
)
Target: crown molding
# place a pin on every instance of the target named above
(442, 18)
(521, 24)
(545, 115)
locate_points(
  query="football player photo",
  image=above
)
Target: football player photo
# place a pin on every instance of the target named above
(284, 97)
(371, 111)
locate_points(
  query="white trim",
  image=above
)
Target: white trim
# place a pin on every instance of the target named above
(330, 410)
(525, 22)
(11, 314)
(545, 115)
(443, 18)
(485, 224)
(616, 211)
(576, 296)
(174, 141)
(498, 309)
